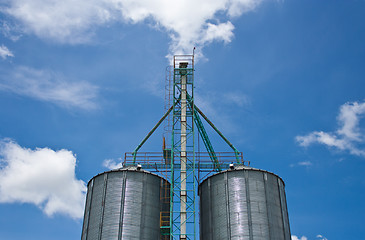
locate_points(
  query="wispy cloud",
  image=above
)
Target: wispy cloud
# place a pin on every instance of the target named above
(293, 237)
(302, 164)
(49, 86)
(237, 98)
(347, 137)
(214, 105)
(63, 21)
(305, 163)
(5, 52)
(320, 237)
(43, 177)
(189, 23)
(10, 30)
(112, 163)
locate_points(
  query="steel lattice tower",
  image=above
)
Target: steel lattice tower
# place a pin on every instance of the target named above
(179, 163)
(183, 181)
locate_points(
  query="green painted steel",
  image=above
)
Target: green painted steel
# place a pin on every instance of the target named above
(150, 133)
(206, 141)
(237, 153)
(208, 145)
(183, 198)
(182, 162)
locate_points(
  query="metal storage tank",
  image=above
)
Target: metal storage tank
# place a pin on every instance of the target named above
(123, 204)
(243, 203)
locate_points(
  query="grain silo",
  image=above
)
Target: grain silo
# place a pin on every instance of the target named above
(240, 203)
(123, 204)
(243, 203)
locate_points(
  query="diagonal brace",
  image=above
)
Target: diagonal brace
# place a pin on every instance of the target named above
(206, 141)
(152, 131)
(236, 152)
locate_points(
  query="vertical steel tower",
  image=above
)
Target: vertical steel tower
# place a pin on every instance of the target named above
(182, 203)
(180, 163)
(236, 200)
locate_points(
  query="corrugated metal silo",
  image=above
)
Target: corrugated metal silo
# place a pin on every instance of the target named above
(244, 203)
(123, 204)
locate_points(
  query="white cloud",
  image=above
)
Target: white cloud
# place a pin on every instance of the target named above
(322, 137)
(347, 137)
(293, 237)
(10, 30)
(64, 21)
(189, 23)
(222, 31)
(349, 117)
(49, 86)
(305, 163)
(321, 237)
(302, 164)
(112, 164)
(241, 6)
(5, 52)
(240, 99)
(43, 177)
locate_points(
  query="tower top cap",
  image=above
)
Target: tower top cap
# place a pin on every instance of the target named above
(183, 64)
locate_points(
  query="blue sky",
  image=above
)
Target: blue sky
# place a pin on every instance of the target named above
(82, 82)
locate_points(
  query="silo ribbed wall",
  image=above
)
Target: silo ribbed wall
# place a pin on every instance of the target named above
(123, 204)
(243, 204)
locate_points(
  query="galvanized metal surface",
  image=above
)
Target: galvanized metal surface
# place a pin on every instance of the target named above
(123, 204)
(245, 204)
